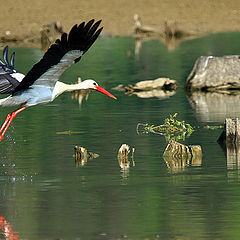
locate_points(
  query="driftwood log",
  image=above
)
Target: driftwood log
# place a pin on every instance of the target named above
(160, 87)
(159, 83)
(177, 155)
(139, 28)
(215, 73)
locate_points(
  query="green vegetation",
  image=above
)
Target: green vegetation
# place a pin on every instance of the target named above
(213, 127)
(68, 132)
(172, 128)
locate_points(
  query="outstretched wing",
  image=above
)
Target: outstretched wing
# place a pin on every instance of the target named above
(61, 55)
(9, 77)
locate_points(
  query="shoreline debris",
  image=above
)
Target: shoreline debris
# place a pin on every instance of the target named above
(170, 34)
(139, 28)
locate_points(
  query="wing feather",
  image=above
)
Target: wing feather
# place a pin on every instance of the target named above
(61, 55)
(9, 77)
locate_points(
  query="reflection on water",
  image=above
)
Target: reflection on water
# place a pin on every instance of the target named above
(232, 152)
(7, 230)
(79, 95)
(161, 94)
(215, 107)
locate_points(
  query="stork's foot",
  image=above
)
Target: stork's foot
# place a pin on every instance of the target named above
(8, 121)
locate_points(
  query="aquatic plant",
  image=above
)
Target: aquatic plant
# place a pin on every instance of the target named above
(172, 128)
(213, 127)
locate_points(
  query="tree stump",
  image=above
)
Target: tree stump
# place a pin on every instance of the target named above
(82, 156)
(177, 155)
(231, 132)
(229, 140)
(123, 152)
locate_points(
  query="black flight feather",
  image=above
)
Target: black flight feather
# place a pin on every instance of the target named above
(79, 38)
(7, 82)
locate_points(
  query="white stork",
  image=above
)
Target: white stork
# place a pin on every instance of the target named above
(40, 85)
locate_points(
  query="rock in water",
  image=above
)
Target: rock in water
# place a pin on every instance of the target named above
(213, 73)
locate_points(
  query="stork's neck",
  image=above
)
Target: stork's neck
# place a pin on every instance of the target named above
(61, 87)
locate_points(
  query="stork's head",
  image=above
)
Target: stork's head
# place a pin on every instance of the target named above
(91, 84)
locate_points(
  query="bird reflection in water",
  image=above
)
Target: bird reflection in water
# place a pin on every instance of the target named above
(6, 229)
(79, 95)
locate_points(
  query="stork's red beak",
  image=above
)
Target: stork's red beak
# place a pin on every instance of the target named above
(102, 90)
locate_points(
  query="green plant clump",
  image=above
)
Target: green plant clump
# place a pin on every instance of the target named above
(172, 129)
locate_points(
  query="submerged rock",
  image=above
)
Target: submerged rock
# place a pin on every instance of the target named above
(213, 73)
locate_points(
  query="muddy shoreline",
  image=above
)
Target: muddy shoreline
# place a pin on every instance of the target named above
(22, 21)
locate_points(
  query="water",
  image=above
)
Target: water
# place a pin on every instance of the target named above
(43, 195)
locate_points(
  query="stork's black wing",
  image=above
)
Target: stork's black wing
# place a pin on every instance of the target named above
(61, 55)
(9, 78)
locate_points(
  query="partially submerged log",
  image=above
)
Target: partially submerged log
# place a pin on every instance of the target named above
(159, 83)
(215, 73)
(160, 87)
(177, 155)
(82, 156)
(123, 153)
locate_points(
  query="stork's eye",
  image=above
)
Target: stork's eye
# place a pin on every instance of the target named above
(95, 84)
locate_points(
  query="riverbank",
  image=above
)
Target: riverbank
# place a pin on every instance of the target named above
(24, 19)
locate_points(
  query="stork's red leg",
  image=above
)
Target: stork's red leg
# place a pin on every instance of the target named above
(8, 121)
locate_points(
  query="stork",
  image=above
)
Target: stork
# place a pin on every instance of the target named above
(40, 85)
